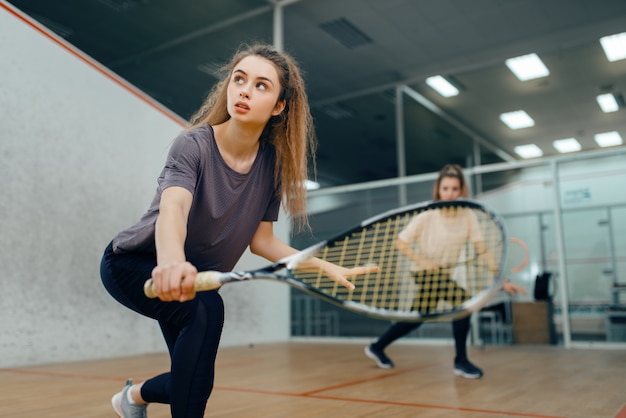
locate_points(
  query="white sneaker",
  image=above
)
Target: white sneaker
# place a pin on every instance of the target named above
(124, 408)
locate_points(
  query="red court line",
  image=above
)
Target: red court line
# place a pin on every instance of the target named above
(389, 374)
(621, 413)
(93, 63)
(370, 379)
(430, 406)
(314, 394)
(389, 403)
(95, 377)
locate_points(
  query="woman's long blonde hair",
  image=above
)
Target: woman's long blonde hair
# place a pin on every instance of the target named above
(454, 171)
(291, 132)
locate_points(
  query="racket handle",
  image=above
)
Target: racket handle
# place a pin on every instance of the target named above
(206, 280)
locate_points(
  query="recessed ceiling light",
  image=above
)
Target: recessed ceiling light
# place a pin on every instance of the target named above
(567, 145)
(312, 185)
(442, 86)
(614, 46)
(528, 151)
(608, 139)
(608, 102)
(212, 68)
(517, 119)
(527, 67)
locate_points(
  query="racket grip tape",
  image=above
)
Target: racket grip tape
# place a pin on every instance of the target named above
(206, 280)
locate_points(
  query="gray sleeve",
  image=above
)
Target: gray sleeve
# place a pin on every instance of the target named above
(271, 214)
(182, 166)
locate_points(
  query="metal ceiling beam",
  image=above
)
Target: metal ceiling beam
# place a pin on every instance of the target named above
(400, 144)
(279, 21)
(278, 26)
(191, 36)
(283, 3)
(276, 6)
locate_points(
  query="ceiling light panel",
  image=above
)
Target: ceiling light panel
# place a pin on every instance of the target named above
(614, 46)
(607, 102)
(527, 67)
(442, 86)
(608, 139)
(517, 120)
(312, 185)
(567, 145)
(528, 151)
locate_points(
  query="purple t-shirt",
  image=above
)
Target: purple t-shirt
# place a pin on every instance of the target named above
(227, 206)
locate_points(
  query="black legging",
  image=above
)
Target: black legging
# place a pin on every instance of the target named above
(433, 286)
(191, 329)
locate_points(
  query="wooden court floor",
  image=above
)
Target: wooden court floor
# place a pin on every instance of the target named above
(301, 379)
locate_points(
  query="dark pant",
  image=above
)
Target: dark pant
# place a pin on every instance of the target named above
(433, 287)
(192, 332)
(460, 330)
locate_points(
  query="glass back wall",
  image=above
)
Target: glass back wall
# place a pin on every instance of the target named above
(588, 296)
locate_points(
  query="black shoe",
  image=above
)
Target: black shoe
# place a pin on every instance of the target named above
(467, 370)
(379, 357)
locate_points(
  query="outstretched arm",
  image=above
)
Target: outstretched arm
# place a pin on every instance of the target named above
(265, 244)
(512, 289)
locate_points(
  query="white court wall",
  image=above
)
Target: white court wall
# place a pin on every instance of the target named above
(584, 183)
(586, 188)
(81, 151)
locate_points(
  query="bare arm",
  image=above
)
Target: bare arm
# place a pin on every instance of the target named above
(405, 248)
(265, 244)
(512, 289)
(173, 276)
(482, 251)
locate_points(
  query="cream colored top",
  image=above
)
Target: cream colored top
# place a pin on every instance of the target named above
(440, 235)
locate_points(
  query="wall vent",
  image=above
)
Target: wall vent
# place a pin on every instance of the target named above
(122, 5)
(345, 33)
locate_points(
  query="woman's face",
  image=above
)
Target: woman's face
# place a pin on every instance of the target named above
(253, 91)
(449, 188)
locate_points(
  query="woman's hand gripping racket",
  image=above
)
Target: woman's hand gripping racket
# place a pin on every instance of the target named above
(388, 291)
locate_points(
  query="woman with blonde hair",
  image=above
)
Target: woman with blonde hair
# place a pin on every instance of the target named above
(457, 225)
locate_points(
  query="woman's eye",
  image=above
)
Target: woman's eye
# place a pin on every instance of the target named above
(261, 86)
(238, 79)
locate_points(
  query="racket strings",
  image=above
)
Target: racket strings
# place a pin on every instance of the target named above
(395, 286)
